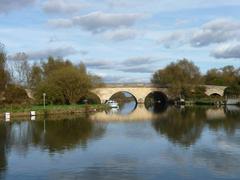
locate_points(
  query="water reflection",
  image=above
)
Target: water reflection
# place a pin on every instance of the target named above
(124, 109)
(3, 149)
(181, 126)
(178, 143)
(184, 126)
(55, 136)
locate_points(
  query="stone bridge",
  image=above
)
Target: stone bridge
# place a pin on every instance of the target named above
(141, 91)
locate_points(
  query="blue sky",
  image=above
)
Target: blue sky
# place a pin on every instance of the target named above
(123, 40)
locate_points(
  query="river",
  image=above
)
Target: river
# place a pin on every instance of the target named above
(132, 143)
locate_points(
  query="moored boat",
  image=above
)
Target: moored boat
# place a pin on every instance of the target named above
(112, 104)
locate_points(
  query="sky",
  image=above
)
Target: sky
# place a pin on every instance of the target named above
(124, 40)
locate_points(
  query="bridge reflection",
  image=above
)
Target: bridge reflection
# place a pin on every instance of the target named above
(141, 113)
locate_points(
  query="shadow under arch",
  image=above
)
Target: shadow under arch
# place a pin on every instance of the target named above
(90, 98)
(123, 98)
(156, 102)
(215, 95)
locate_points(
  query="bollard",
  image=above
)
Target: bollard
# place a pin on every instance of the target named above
(7, 116)
(33, 113)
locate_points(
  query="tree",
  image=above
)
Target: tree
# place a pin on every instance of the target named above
(179, 77)
(225, 76)
(199, 92)
(232, 91)
(54, 64)
(15, 95)
(96, 81)
(64, 83)
(20, 69)
(4, 74)
(35, 76)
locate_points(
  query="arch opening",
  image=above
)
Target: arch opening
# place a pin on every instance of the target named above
(215, 96)
(156, 102)
(90, 98)
(127, 102)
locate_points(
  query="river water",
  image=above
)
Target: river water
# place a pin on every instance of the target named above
(132, 143)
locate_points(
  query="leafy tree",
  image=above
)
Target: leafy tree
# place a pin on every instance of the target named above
(36, 76)
(232, 91)
(199, 91)
(225, 76)
(179, 77)
(65, 85)
(54, 64)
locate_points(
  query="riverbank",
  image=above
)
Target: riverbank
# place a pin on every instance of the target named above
(209, 102)
(20, 111)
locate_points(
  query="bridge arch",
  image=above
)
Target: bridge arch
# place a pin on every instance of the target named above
(215, 95)
(133, 96)
(91, 97)
(156, 101)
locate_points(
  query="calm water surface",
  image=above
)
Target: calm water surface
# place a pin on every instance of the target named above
(175, 143)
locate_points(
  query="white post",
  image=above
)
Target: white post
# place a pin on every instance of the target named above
(33, 115)
(44, 100)
(7, 116)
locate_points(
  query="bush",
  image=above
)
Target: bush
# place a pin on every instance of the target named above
(15, 95)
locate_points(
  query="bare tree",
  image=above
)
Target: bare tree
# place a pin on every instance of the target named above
(4, 75)
(20, 69)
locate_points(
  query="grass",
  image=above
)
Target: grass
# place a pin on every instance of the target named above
(207, 101)
(49, 108)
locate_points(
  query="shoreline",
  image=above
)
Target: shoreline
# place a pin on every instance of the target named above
(51, 110)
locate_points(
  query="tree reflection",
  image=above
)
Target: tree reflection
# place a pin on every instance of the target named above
(181, 126)
(184, 126)
(229, 123)
(65, 134)
(3, 149)
(53, 135)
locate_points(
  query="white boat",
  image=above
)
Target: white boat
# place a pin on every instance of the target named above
(112, 104)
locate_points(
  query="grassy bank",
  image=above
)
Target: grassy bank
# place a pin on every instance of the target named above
(51, 109)
(205, 101)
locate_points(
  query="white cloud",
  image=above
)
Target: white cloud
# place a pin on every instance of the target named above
(136, 61)
(174, 39)
(223, 33)
(121, 34)
(60, 52)
(98, 21)
(131, 65)
(63, 6)
(63, 23)
(227, 51)
(216, 31)
(213, 32)
(98, 64)
(9, 5)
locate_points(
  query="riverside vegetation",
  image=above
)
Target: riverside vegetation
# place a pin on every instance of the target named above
(68, 85)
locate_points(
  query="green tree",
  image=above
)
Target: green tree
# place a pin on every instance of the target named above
(232, 91)
(36, 76)
(54, 64)
(199, 92)
(65, 85)
(180, 77)
(225, 76)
